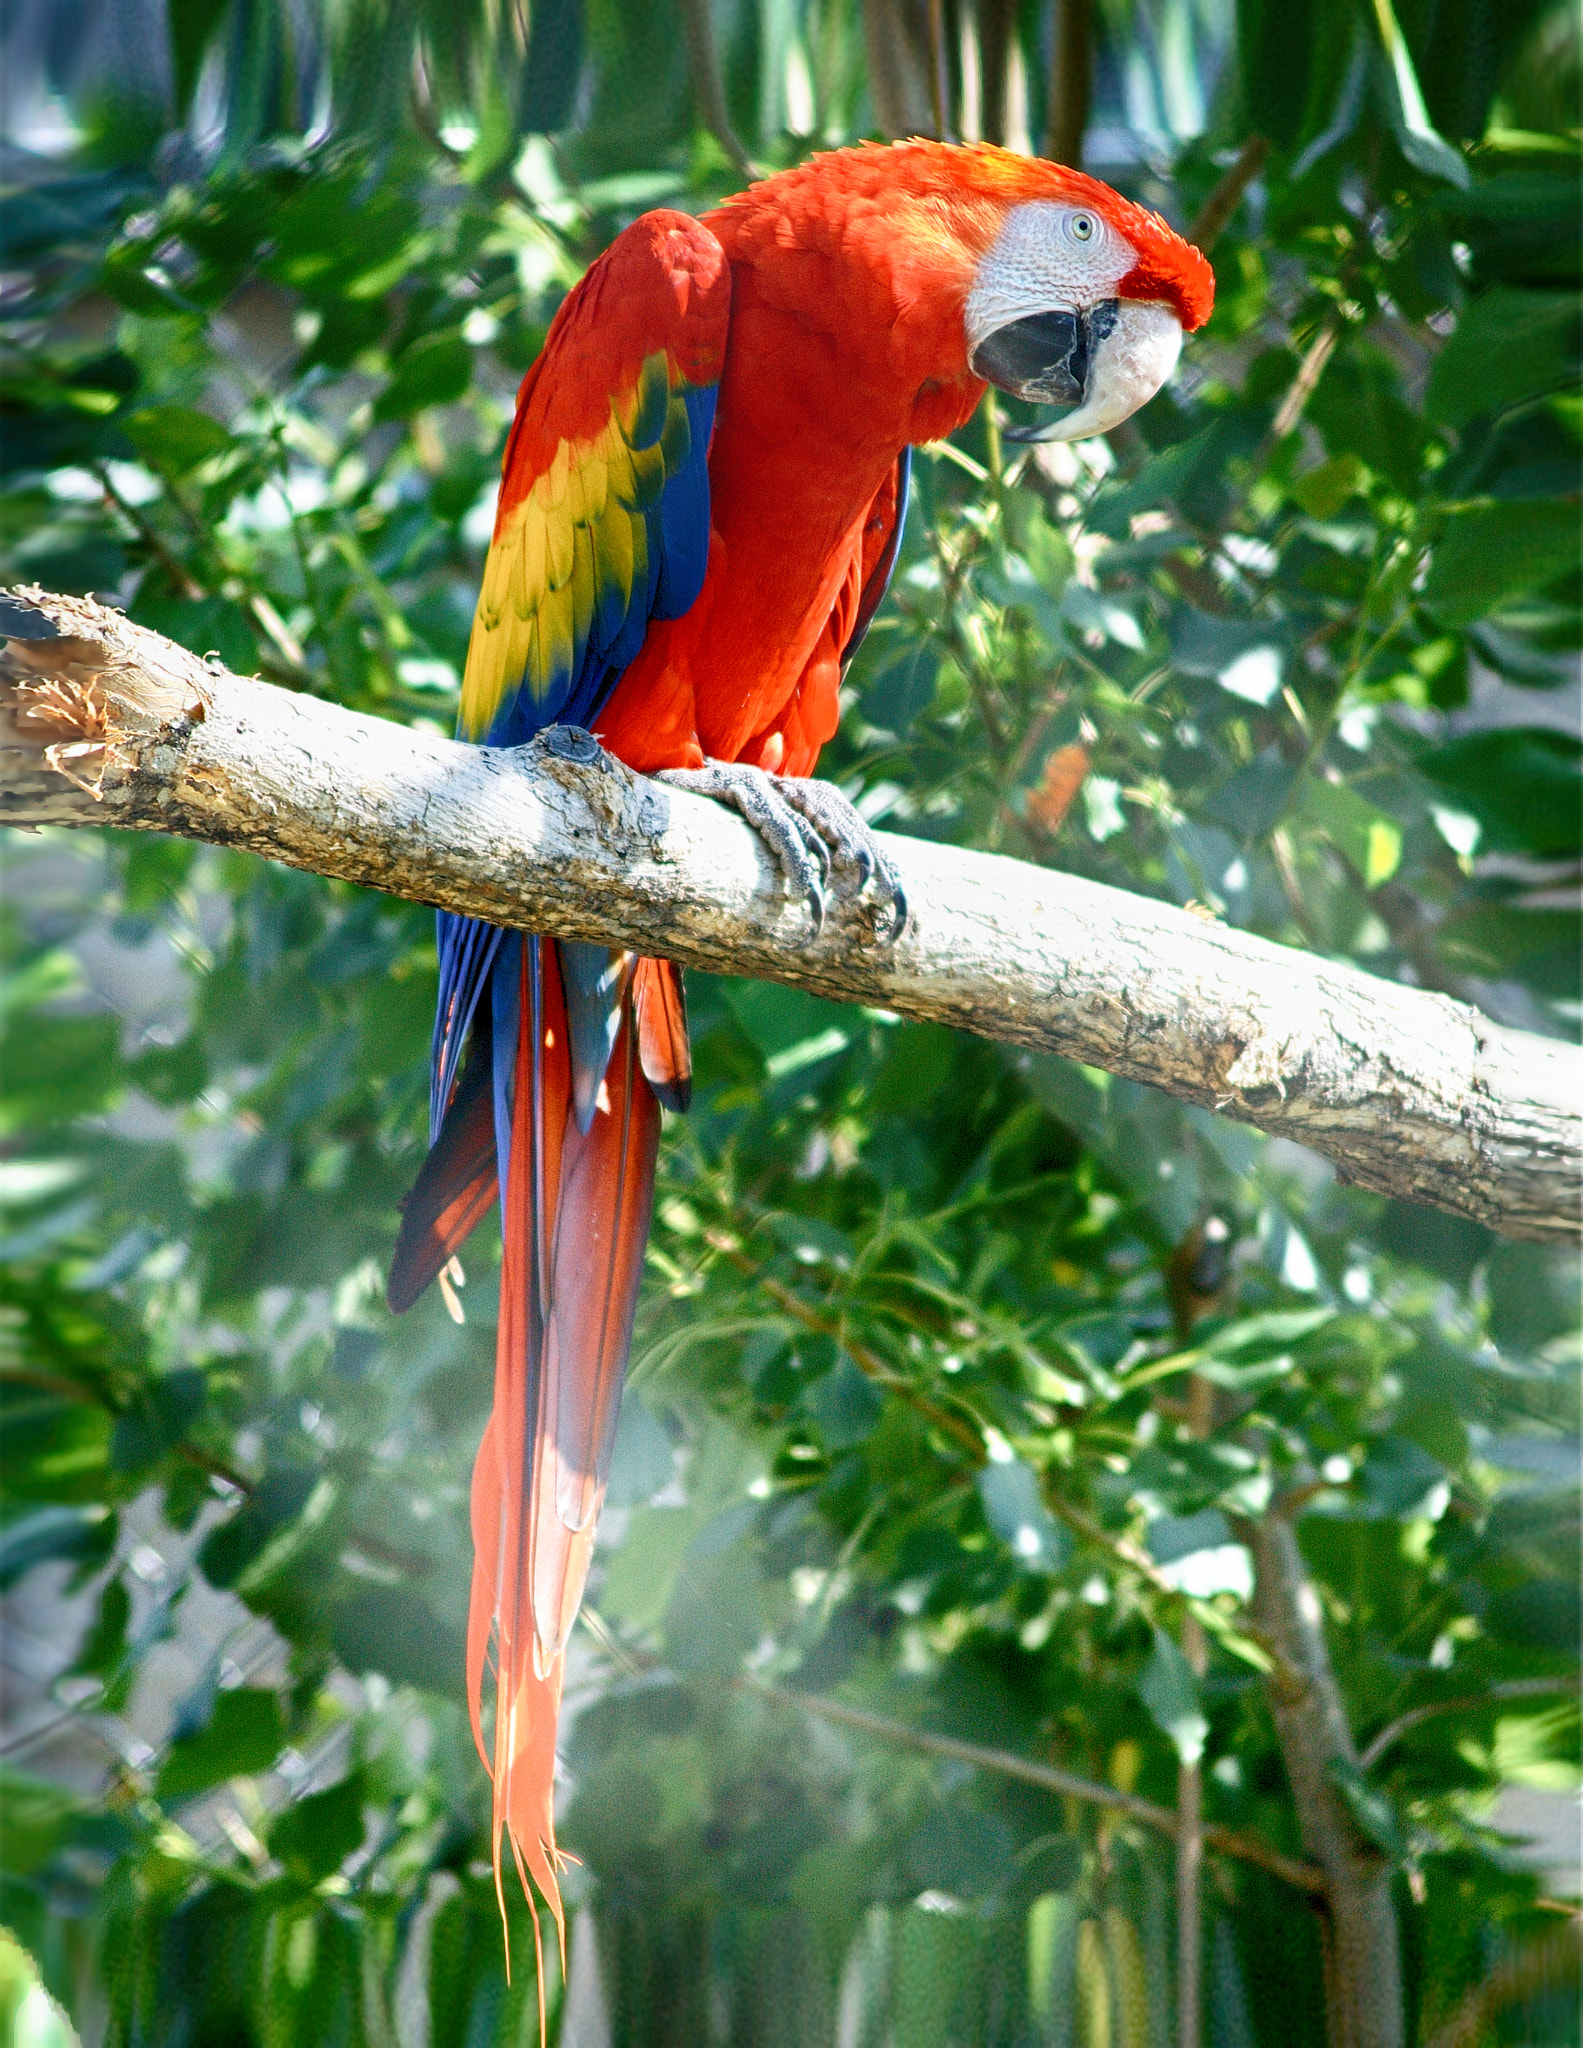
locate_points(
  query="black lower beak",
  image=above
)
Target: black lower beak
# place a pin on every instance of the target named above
(1047, 357)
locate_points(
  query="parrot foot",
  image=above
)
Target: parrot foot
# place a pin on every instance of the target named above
(845, 831)
(804, 823)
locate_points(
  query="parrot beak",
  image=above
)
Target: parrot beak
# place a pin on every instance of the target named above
(1102, 362)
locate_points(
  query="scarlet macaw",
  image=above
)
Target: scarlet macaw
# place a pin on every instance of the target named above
(703, 492)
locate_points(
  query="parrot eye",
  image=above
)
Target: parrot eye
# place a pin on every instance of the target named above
(1082, 227)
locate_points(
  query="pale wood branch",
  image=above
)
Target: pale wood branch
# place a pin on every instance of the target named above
(105, 723)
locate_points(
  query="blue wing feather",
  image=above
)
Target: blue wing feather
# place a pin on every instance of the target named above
(471, 953)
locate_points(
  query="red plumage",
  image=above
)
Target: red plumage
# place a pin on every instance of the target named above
(816, 323)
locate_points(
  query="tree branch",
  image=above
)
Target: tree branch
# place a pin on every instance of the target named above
(105, 723)
(1247, 1848)
(1225, 1841)
(1465, 1703)
(1210, 223)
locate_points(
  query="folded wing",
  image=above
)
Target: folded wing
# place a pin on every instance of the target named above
(551, 1061)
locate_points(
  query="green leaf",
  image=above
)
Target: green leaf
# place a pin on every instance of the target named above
(1169, 1690)
(134, 282)
(1522, 783)
(552, 68)
(104, 1646)
(174, 439)
(1509, 345)
(1488, 553)
(391, 1629)
(901, 688)
(1242, 655)
(1052, 1961)
(192, 27)
(82, 1536)
(157, 1418)
(1397, 1474)
(314, 1836)
(1248, 1375)
(1425, 149)
(1268, 1333)
(1253, 801)
(715, 1612)
(962, 1850)
(1370, 1809)
(277, 1500)
(643, 1459)
(244, 1735)
(1016, 1512)
(1370, 839)
(434, 371)
(935, 1976)
(845, 1405)
(1324, 489)
(1540, 947)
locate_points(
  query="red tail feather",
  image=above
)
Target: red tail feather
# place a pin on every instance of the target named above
(576, 1222)
(453, 1191)
(659, 1003)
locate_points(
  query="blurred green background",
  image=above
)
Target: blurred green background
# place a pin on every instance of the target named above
(893, 1438)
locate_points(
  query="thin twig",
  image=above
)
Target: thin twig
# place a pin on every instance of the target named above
(185, 583)
(703, 62)
(1309, 372)
(1247, 1848)
(1225, 1841)
(868, 1362)
(1212, 217)
(1552, 1963)
(1512, 1689)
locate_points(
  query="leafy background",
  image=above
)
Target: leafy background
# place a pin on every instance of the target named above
(903, 1430)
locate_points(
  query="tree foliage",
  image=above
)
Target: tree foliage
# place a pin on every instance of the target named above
(905, 1425)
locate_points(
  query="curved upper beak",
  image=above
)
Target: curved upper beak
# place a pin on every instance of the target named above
(1101, 361)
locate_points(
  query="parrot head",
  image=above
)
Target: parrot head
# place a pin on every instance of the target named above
(1080, 299)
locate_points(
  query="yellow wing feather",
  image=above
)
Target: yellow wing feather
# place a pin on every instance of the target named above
(579, 535)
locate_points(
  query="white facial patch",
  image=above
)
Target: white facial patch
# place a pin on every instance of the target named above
(1047, 257)
(1129, 366)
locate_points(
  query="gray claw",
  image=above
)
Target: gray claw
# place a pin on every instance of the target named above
(807, 825)
(849, 838)
(798, 850)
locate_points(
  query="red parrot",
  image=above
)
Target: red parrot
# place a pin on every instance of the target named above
(702, 498)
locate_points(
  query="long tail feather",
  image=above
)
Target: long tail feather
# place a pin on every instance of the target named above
(576, 1221)
(457, 1183)
(659, 1004)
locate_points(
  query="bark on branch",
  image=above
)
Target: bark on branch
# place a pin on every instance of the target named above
(105, 723)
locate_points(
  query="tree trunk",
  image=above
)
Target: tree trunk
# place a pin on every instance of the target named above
(1363, 1976)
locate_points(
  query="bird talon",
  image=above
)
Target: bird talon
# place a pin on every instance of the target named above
(809, 828)
(846, 833)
